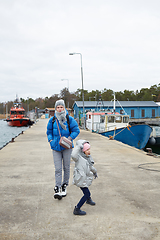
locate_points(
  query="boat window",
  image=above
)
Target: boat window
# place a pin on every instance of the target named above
(89, 116)
(21, 112)
(13, 112)
(118, 119)
(102, 118)
(125, 119)
(111, 119)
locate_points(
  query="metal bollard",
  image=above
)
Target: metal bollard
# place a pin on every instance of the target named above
(149, 151)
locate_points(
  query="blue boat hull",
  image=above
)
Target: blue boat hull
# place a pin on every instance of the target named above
(136, 135)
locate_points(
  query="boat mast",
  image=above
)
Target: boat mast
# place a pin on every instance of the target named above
(114, 104)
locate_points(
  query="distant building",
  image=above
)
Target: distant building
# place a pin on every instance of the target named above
(135, 109)
(49, 112)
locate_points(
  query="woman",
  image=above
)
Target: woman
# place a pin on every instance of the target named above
(69, 128)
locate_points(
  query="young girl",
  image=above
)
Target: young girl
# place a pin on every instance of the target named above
(83, 173)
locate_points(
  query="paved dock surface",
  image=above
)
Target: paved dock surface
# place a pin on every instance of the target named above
(127, 197)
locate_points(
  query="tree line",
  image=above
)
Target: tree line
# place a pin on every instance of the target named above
(145, 94)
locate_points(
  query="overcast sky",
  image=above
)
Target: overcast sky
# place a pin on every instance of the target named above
(119, 41)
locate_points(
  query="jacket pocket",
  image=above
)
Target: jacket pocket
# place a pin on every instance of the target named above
(78, 177)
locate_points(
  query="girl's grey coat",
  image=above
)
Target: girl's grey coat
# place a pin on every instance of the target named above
(84, 170)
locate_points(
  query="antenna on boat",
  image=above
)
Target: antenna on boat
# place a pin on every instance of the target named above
(114, 104)
(17, 103)
(17, 98)
(99, 103)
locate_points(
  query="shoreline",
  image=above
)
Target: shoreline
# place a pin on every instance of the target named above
(2, 117)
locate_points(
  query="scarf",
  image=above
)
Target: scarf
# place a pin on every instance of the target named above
(88, 158)
(61, 116)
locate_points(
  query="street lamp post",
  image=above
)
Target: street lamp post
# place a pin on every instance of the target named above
(82, 86)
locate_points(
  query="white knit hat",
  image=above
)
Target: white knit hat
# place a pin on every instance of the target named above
(60, 102)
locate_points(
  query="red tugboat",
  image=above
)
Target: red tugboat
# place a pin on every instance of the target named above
(17, 116)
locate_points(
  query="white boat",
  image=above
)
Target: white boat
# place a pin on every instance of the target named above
(116, 126)
(105, 121)
(102, 121)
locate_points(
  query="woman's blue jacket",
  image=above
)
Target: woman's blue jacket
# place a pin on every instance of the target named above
(53, 133)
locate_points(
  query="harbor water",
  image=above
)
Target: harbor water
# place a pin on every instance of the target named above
(7, 132)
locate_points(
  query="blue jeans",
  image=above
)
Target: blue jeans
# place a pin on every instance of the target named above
(85, 197)
(62, 158)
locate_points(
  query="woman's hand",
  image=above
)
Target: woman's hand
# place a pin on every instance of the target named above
(51, 143)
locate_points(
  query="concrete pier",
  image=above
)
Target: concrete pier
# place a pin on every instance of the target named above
(127, 196)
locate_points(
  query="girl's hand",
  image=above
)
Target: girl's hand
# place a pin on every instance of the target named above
(95, 175)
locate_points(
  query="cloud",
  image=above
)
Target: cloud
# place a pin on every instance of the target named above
(119, 42)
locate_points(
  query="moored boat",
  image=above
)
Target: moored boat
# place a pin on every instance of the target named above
(116, 126)
(136, 135)
(17, 117)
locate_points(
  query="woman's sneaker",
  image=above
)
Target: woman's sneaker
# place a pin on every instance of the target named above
(64, 190)
(57, 194)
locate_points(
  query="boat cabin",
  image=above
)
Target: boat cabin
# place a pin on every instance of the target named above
(15, 112)
(95, 121)
(105, 121)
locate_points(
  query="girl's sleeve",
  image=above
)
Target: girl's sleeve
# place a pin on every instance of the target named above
(93, 169)
(75, 153)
